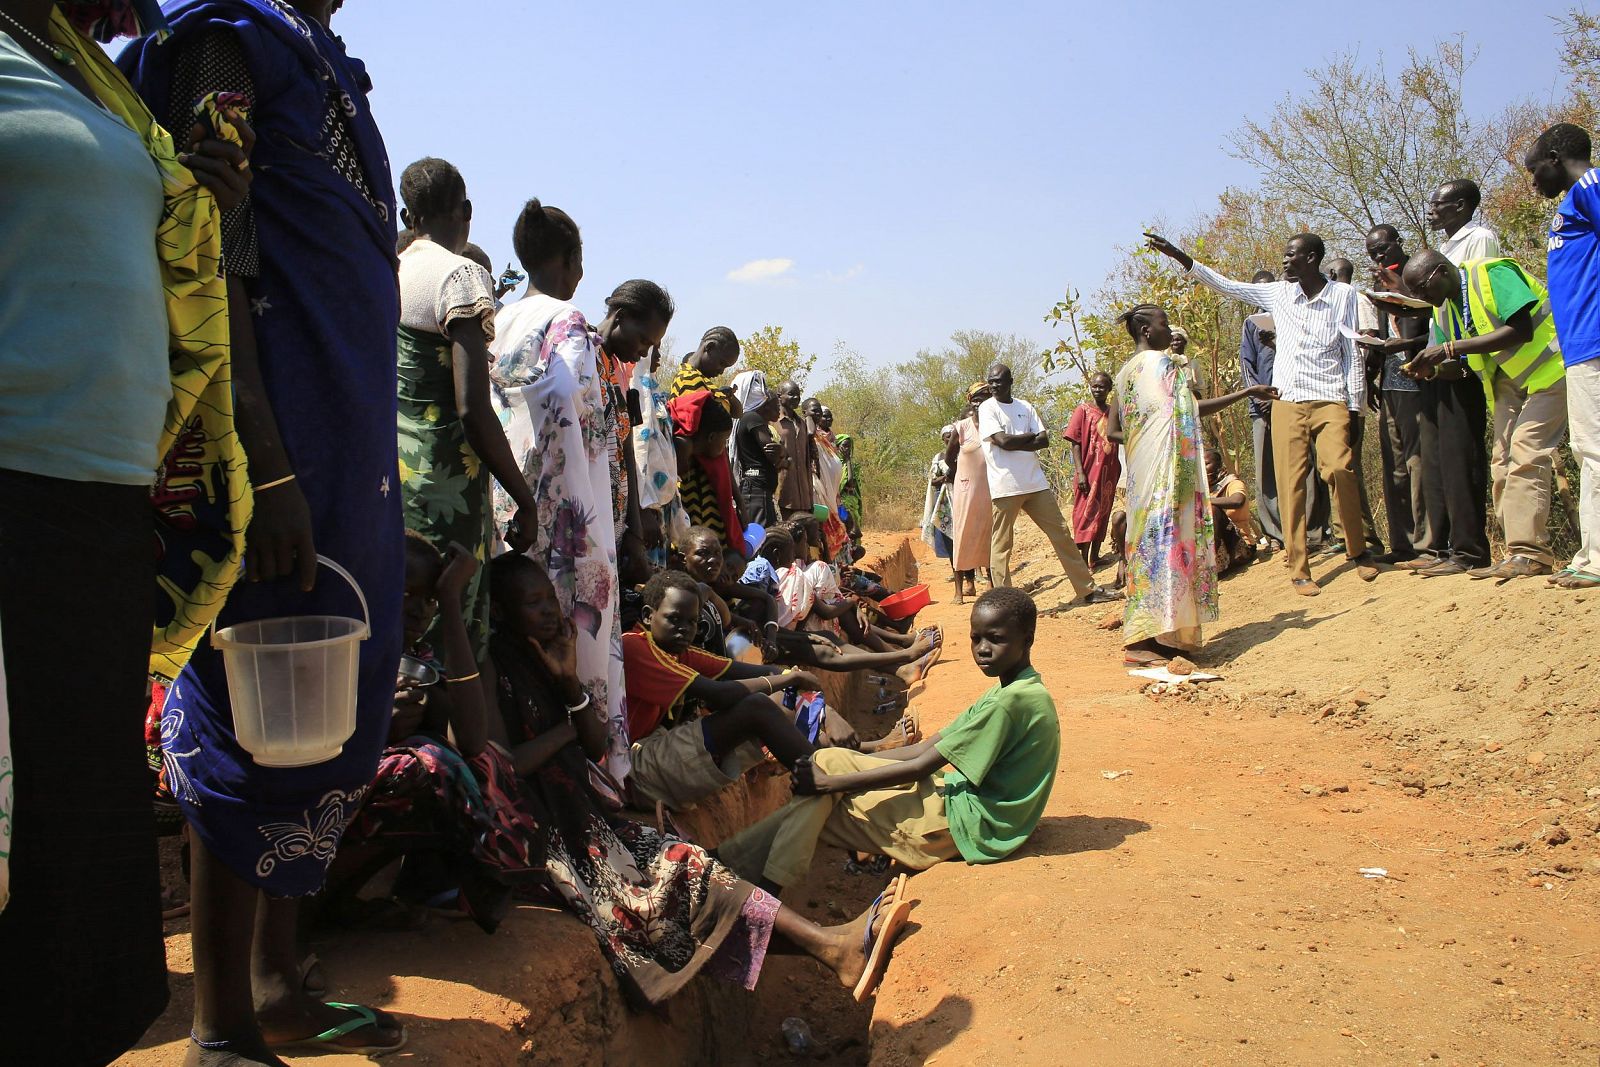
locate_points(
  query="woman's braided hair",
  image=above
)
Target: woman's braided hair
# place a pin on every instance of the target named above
(1139, 317)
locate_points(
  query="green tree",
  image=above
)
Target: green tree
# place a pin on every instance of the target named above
(1361, 147)
(894, 414)
(768, 352)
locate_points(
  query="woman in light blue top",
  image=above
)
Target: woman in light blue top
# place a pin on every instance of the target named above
(85, 384)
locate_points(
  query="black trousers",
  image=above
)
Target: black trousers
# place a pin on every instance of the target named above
(755, 503)
(1455, 469)
(1401, 429)
(82, 964)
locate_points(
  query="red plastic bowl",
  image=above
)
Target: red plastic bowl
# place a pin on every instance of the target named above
(905, 603)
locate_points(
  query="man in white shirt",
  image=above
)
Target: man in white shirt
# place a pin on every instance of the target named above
(1450, 211)
(1321, 382)
(1012, 435)
(1455, 418)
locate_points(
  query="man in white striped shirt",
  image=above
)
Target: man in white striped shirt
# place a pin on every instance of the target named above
(1321, 382)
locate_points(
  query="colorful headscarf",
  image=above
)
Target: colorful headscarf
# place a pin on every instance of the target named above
(106, 20)
(975, 389)
(201, 495)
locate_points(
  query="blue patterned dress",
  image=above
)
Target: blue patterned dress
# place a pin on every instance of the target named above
(325, 309)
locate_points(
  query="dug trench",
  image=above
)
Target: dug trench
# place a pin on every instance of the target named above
(1194, 893)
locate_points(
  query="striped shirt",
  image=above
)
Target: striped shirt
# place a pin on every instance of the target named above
(1316, 354)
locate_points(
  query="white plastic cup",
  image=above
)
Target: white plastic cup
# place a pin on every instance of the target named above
(292, 682)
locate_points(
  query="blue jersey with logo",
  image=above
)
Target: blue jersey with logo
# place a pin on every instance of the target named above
(1575, 270)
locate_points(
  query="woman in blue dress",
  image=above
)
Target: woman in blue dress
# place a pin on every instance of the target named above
(312, 289)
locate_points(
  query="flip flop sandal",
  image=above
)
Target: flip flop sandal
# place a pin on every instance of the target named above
(1579, 580)
(1144, 659)
(878, 948)
(327, 1041)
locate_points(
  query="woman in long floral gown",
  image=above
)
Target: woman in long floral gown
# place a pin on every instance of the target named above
(1172, 570)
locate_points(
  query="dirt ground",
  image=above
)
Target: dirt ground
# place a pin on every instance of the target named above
(1194, 893)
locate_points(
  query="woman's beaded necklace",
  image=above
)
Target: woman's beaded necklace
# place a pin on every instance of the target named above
(56, 52)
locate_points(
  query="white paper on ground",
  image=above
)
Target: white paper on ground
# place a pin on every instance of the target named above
(1161, 674)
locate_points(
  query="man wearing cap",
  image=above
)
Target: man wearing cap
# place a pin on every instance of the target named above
(1493, 323)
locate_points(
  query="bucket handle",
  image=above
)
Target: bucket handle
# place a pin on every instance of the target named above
(366, 615)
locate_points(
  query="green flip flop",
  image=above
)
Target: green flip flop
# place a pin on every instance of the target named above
(362, 1017)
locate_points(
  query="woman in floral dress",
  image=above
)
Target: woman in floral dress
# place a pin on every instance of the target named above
(1172, 571)
(565, 418)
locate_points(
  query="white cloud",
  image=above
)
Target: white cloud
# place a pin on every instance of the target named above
(761, 270)
(844, 276)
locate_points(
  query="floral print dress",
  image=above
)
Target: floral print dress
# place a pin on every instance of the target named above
(1172, 571)
(561, 421)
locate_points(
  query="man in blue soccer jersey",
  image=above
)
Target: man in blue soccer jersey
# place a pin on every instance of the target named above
(1559, 164)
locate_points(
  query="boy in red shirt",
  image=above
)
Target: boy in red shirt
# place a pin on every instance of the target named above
(679, 758)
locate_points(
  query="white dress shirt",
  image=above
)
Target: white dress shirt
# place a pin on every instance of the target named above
(1316, 355)
(1470, 242)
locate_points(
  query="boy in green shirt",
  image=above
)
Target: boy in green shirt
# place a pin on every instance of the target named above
(975, 790)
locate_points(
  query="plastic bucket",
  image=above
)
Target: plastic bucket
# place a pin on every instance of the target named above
(292, 682)
(755, 535)
(821, 512)
(906, 602)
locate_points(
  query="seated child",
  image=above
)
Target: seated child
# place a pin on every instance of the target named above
(975, 790)
(1230, 510)
(799, 605)
(678, 756)
(442, 798)
(661, 909)
(722, 630)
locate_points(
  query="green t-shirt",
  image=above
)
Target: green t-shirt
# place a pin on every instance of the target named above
(1511, 295)
(1003, 751)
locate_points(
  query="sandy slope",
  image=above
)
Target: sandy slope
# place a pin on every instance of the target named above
(1207, 907)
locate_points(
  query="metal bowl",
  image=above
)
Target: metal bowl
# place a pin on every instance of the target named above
(416, 673)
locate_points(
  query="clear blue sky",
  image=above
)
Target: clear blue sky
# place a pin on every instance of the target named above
(925, 167)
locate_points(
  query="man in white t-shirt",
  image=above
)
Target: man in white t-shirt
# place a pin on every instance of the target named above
(1012, 435)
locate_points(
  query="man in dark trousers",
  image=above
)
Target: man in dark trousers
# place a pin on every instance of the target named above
(1394, 339)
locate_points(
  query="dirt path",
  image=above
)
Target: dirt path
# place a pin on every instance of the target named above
(1207, 906)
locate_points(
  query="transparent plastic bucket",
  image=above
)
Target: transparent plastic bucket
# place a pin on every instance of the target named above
(293, 682)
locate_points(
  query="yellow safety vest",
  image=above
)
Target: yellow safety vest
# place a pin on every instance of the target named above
(1536, 365)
